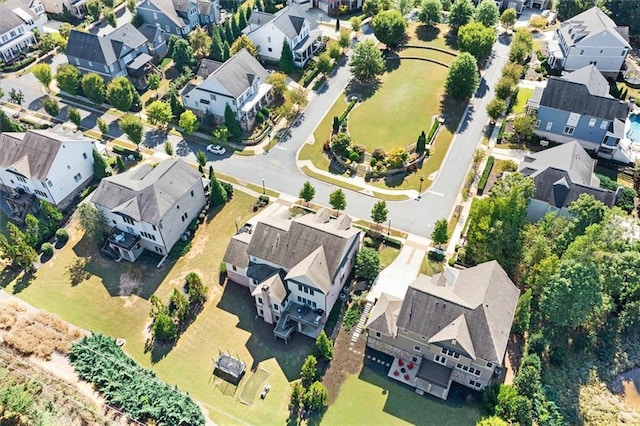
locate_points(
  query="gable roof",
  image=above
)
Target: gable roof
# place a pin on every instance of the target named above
(489, 298)
(274, 286)
(105, 49)
(8, 19)
(590, 23)
(312, 270)
(562, 173)
(208, 66)
(236, 253)
(384, 315)
(168, 9)
(148, 31)
(290, 20)
(146, 193)
(565, 94)
(260, 18)
(32, 154)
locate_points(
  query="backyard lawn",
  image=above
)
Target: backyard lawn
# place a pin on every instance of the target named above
(371, 398)
(524, 94)
(113, 298)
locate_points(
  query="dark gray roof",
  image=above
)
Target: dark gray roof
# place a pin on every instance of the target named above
(148, 31)
(8, 19)
(182, 5)
(146, 193)
(562, 173)
(32, 154)
(207, 66)
(236, 253)
(483, 295)
(589, 24)
(128, 35)
(104, 49)
(566, 95)
(260, 18)
(24, 5)
(168, 9)
(205, 7)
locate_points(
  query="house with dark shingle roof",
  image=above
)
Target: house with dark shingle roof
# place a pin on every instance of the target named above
(590, 37)
(452, 327)
(179, 17)
(121, 53)
(50, 165)
(294, 268)
(269, 31)
(578, 106)
(561, 174)
(240, 82)
(149, 207)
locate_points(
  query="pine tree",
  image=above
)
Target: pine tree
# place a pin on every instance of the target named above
(324, 345)
(422, 142)
(260, 5)
(235, 27)
(226, 51)
(242, 17)
(228, 34)
(286, 59)
(337, 25)
(247, 13)
(232, 124)
(218, 193)
(217, 50)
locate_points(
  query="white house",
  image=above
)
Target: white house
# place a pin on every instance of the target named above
(76, 8)
(18, 19)
(241, 83)
(51, 165)
(150, 207)
(268, 31)
(294, 268)
(589, 38)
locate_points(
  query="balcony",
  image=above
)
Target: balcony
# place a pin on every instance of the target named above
(300, 318)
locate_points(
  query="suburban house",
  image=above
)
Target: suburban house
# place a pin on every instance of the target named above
(240, 82)
(561, 174)
(149, 207)
(295, 268)
(77, 8)
(578, 106)
(51, 165)
(156, 41)
(332, 7)
(589, 38)
(18, 19)
(121, 53)
(452, 327)
(268, 31)
(179, 17)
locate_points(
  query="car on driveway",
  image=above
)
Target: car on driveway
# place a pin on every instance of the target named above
(216, 149)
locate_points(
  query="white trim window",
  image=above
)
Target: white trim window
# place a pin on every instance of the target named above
(549, 125)
(604, 125)
(440, 359)
(568, 130)
(417, 348)
(592, 122)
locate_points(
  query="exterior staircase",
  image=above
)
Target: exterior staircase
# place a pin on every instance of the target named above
(363, 319)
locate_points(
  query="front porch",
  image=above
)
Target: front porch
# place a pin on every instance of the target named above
(13, 48)
(123, 245)
(301, 318)
(306, 48)
(260, 99)
(138, 70)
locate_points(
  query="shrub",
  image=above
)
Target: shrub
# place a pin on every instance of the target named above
(228, 188)
(47, 249)
(259, 118)
(432, 130)
(354, 156)
(124, 151)
(379, 154)
(352, 316)
(485, 175)
(509, 166)
(347, 110)
(62, 235)
(265, 112)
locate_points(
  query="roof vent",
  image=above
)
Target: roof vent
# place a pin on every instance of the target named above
(277, 240)
(265, 288)
(454, 342)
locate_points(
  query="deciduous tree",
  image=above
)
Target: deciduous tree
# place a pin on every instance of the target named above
(307, 192)
(487, 13)
(315, 399)
(461, 13)
(183, 55)
(42, 72)
(244, 42)
(153, 82)
(51, 106)
(508, 18)
(389, 27)
(309, 370)
(120, 93)
(94, 9)
(462, 79)
(279, 82)
(94, 87)
(379, 212)
(132, 126)
(366, 61)
(200, 42)
(337, 200)
(68, 78)
(430, 12)
(477, 39)
(367, 264)
(74, 115)
(524, 126)
(188, 122)
(496, 108)
(92, 221)
(440, 233)
(159, 113)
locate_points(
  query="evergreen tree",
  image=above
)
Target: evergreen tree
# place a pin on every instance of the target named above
(309, 370)
(174, 101)
(324, 346)
(248, 13)
(99, 166)
(260, 5)
(218, 193)
(422, 143)
(217, 50)
(337, 24)
(286, 59)
(232, 123)
(228, 33)
(226, 51)
(235, 27)
(242, 17)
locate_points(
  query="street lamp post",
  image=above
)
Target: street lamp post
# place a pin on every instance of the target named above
(389, 228)
(420, 190)
(263, 189)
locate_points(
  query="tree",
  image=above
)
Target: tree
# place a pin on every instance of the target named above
(522, 317)
(196, 290)
(235, 26)
(131, 6)
(297, 398)
(217, 48)
(337, 24)
(461, 13)
(51, 106)
(537, 22)
(153, 82)
(110, 17)
(508, 18)
(404, 6)
(188, 122)
(94, 88)
(221, 134)
(244, 42)
(430, 12)
(344, 39)
(367, 264)
(505, 88)
(179, 305)
(16, 96)
(479, 154)
(372, 7)
(132, 126)
(74, 115)
(102, 126)
(309, 370)
(232, 124)
(159, 113)
(462, 79)
(183, 55)
(496, 108)
(586, 211)
(366, 61)
(389, 27)
(65, 29)
(307, 192)
(379, 212)
(487, 13)
(99, 166)
(337, 200)
(201, 159)
(286, 64)
(477, 39)
(92, 221)
(492, 421)
(315, 399)
(524, 126)
(164, 329)
(120, 93)
(15, 247)
(218, 193)
(68, 78)
(174, 100)
(279, 82)
(421, 144)
(7, 125)
(626, 199)
(440, 233)
(324, 346)
(299, 97)
(94, 9)
(356, 24)
(200, 42)
(42, 72)
(242, 17)
(334, 51)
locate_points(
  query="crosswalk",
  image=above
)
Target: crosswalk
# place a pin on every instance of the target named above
(361, 323)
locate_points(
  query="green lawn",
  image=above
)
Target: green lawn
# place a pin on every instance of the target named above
(113, 299)
(388, 255)
(401, 108)
(524, 94)
(374, 399)
(313, 151)
(428, 53)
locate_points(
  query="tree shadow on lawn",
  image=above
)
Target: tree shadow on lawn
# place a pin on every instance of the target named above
(451, 40)
(452, 110)
(24, 281)
(427, 33)
(395, 180)
(364, 89)
(262, 345)
(392, 61)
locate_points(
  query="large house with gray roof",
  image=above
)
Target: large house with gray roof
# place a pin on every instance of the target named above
(51, 165)
(561, 174)
(149, 207)
(240, 82)
(590, 37)
(179, 17)
(269, 31)
(578, 106)
(452, 327)
(18, 20)
(121, 53)
(295, 268)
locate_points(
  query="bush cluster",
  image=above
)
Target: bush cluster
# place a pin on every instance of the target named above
(485, 175)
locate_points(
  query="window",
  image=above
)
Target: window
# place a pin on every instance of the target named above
(568, 130)
(310, 292)
(277, 317)
(260, 300)
(184, 216)
(154, 227)
(465, 368)
(549, 125)
(261, 312)
(417, 348)
(592, 122)
(624, 52)
(423, 338)
(269, 49)
(299, 287)
(155, 16)
(77, 177)
(475, 384)
(77, 61)
(475, 371)
(489, 365)
(306, 290)
(205, 101)
(378, 334)
(604, 125)
(582, 51)
(148, 236)
(167, 27)
(84, 155)
(299, 299)
(234, 267)
(459, 366)
(275, 306)
(212, 96)
(127, 219)
(22, 179)
(449, 352)
(269, 39)
(90, 64)
(404, 330)
(192, 192)
(159, 250)
(440, 359)
(537, 124)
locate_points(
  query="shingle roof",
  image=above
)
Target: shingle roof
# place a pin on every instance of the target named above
(588, 24)
(148, 31)
(489, 299)
(384, 315)
(312, 270)
(8, 19)
(146, 193)
(592, 78)
(274, 286)
(104, 49)
(128, 35)
(208, 66)
(236, 253)
(290, 20)
(23, 5)
(32, 154)
(205, 6)
(260, 18)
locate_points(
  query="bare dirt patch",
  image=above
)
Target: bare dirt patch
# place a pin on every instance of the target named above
(347, 359)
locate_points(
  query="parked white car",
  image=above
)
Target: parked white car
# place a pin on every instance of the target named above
(216, 149)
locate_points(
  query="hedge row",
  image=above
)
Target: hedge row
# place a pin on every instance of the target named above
(347, 110)
(485, 175)
(432, 130)
(309, 75)
(124, 151)
(18, 65)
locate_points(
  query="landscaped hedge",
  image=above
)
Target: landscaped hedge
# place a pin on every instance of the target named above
(18, 65)
(126, 152)
(347, 110)
(485, 175)
(432, 130)
(501, 131)
(130, 387)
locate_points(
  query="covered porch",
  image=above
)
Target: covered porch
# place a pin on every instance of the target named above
(307, 47)
(123, 245)
(138, 70)
(78, 8)
(13, 48)
(301, 318)
(555, 55)
(254, 103)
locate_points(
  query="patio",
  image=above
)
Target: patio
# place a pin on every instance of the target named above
(309, 321)
(424, 375)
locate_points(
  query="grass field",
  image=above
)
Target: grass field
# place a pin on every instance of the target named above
(524, 94)
(113, 298)
(313, 151)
